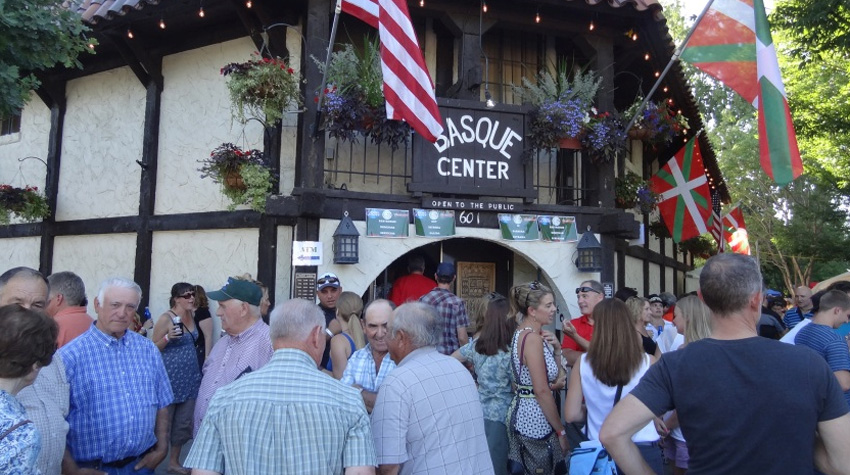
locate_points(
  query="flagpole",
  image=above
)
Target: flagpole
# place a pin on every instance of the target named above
(337, 11)
(673, 58)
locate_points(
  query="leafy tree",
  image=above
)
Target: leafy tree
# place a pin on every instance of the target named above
(35, 35)
(815, 26)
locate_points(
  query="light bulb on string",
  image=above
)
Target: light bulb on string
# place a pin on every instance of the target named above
(646, 56)
(634, 36)
(161, 24)
(91, 45)
(484, 7)
(130, 33)
(657, 74)
(249, 4)
(537, 17)
(421, 3)
(592, 26)
(666, 88)
(201, 12)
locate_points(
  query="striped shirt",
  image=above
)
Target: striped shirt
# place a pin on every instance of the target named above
(229, 359)
(287, 417)
(361, 369)
(452, 313)
(829, 345)
(117, 387)
(46, 402)
(794, 316)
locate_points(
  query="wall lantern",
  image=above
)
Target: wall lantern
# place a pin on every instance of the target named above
(346, 246)
(589, 253)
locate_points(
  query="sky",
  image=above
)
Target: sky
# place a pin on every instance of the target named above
(694, 7)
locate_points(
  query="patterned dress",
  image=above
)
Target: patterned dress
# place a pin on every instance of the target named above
(19, 448)
(181, 364)
(530, 419)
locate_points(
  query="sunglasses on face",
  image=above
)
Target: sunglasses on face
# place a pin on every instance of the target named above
(327, 280)
(187, 295)
(587, 289)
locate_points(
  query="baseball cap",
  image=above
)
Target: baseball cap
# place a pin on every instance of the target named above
(446, 269)
(238, 289)
(327, 280)
(654, 298)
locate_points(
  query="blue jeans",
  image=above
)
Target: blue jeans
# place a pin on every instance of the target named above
(497, 442)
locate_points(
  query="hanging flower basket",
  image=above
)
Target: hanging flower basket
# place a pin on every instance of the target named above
(244, 175)
(26, 203)
(570, 143)
(632, 191)
(262, 88)
(640, 133)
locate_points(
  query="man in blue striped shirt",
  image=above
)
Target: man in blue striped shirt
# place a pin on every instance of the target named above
(120, 391)
(833, 310)
(803, 297)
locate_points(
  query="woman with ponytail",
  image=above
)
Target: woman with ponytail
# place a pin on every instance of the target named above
(348, 308)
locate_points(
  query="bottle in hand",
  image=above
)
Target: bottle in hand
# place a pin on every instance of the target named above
(178, 325)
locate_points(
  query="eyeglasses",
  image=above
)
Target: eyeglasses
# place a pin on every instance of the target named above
(587, 289)
(187, 295)
(327, 280)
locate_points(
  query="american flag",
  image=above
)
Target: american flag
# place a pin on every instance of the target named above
(408, 89)
(716, 223)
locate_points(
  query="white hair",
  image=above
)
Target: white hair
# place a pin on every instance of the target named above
(419, 321)
(120, 283)
(294, 319)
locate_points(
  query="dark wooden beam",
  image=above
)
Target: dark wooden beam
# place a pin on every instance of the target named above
(133, 62)
(51, 188)
(250, 23)
(147, 188)
(311, 154)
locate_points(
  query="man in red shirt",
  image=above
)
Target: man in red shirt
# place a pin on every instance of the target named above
(411, 287)
(577, 332)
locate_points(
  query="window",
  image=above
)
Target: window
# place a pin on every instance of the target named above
(10, 125)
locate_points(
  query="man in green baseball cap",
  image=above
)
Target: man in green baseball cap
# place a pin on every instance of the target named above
(245, 347)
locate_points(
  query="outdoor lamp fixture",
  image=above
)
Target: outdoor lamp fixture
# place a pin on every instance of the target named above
(490, 103)
(346, 245)
(589, 253)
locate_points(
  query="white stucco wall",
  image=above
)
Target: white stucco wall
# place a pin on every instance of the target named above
(668, 279)
(195, 119)
(206, 258)
(634, 274)
(102, 139)
(95, 258)
(283, 266)
(654, 278)
(554, 259)
(16, 252)
(22, 154)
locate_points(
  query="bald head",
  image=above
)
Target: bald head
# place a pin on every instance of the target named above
(803, 297)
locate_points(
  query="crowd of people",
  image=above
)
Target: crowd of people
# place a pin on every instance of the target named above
(425, 381)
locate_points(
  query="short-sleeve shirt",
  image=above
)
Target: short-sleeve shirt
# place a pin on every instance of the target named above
(361, 369)
(410, 288)
(428, 418)
(452, 313)
(494, 381)
(19, 449)
(117, 387)
(584, 329)
(829, 345)
(795, 316)
(738, 400)
(285, 418)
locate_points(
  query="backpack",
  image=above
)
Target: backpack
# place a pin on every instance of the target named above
(591, 458)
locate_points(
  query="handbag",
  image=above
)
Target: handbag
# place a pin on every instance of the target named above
(591, 457)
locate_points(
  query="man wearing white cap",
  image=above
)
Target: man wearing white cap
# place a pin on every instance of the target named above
(328, 288)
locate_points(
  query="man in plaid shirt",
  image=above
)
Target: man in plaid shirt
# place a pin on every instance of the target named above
(450, 309)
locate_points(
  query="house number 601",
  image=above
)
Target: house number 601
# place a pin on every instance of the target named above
(467, 217)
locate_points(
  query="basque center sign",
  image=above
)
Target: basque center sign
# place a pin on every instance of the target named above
(479, 153)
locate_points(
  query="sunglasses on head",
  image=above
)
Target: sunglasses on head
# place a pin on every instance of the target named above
(492, 296)
(187, 295)
(327, 280)
(587, 289)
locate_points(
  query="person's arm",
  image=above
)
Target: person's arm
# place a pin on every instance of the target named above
(161, 328)
(843, 377)
(456, 355)
(207, 329)
(70, 467)
(391, 469)
(534, 360)
(574, 410)
(462, 336)
(831, 442)
(571, 332)
(340, 351)
(672, 420)
(561, 380)
(363, 470)
(571, 356)
(160, 450)
(628, 416)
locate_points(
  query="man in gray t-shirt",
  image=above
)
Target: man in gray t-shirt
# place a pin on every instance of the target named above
(738, 396)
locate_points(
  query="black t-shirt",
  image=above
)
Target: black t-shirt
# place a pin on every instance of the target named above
(201, 314)
(738, 400)
(330, 314)
(649, 346)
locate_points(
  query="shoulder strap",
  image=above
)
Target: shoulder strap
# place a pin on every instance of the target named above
(619, 393)
(521, 352)
(10, 429)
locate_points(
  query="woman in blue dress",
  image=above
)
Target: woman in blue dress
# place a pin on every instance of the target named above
(176, 334)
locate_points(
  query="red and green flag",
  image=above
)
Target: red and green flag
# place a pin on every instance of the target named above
(733, 44)
(735, 231)
(685, 204)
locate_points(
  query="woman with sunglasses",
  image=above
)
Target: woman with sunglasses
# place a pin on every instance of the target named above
(641, 312)
(611, 368)
(175, 334)
(489, 353)
(538, 440)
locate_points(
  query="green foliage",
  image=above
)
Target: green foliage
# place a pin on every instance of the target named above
(262, 88)
(564, 86)
(35, 35)
(357, 73)
(228, 164)
(632, 191)
(815, 26)
(26, 203)
(258, 185)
